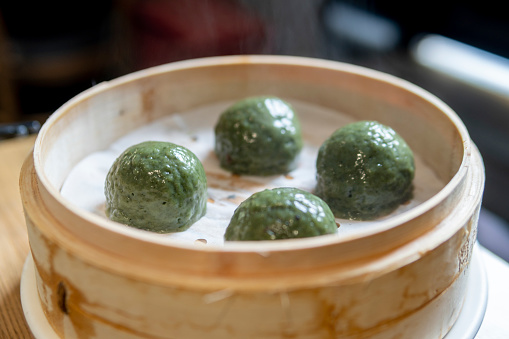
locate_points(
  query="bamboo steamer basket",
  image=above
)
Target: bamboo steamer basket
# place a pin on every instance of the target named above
(404, 278)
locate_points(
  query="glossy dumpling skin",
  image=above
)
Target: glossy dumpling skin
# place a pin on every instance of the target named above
(364, 170)
(156, 186)
(280, 213)
(258, 136)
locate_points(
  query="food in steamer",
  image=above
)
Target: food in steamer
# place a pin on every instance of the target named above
(258, 136)
(364, 171)
(156, 186)
(280, 213)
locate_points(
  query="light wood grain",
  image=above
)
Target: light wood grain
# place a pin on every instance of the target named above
(13, 238)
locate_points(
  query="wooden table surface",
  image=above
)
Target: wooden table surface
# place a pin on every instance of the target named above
(13, 237)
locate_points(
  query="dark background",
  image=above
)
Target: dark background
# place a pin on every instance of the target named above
(52, 50)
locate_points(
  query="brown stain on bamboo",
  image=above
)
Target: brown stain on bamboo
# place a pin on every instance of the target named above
(66, 299)
(147, 101)
(68, 302)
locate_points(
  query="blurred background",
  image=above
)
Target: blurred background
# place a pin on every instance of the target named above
(457, 50)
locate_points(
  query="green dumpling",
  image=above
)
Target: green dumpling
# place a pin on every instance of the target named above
(156, 186)
(258, 136)
(364, 170)
(280, 213)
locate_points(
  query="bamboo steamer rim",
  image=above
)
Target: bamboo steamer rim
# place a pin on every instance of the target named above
(52, 196)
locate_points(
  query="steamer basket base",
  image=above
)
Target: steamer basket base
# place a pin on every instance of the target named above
(466, 326)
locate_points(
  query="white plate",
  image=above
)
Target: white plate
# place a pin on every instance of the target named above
(466, 327)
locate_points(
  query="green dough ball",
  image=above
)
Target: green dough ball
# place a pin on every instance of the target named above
(364, 171)
(258, 136)
(281, 213)
(156, 186)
